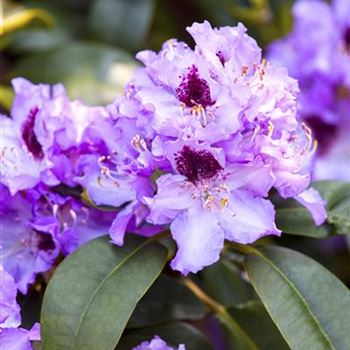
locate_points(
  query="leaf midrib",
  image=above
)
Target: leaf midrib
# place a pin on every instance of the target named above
(304, 302)
(81, 319)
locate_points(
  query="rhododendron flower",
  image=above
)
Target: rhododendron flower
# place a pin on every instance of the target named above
(217, 128)
(317, 53)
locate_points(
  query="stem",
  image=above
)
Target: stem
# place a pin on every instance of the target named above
(220, 311)
(243, 248)
(210, 303)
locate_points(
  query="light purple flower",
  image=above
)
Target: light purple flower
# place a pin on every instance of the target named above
(317, 53)
(28, 243)
(19, 338)
(9, 309)
(217, 127)
(206, 203)
(157, 344)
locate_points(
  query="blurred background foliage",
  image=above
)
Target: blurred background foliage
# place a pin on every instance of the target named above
(89, 46)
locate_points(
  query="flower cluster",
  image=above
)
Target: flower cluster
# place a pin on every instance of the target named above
(195, 144)
(216, 128)
(317, 53)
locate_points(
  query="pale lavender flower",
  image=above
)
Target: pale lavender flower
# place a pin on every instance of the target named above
(217, 127)
(157, 344)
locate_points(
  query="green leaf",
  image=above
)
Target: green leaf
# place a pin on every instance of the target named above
(174, 333)
(93, 292)
(293, 218)
(6, 96)
(256, 322)
(94, 72)
(223, 282)
(337, 195)
(309, 305)
(297, 220)
(122, 22)
(167, 300)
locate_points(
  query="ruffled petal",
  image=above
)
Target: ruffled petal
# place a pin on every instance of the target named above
(199, 238)
(248, 218)
(315, 204)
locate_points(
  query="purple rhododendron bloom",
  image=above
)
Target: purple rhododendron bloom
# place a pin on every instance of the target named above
(317, 53)
(216, 126)
(196, 142)
(156, 344)
(28, 243)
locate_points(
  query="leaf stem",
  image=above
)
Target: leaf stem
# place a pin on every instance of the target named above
(243, 248)
(220, 311)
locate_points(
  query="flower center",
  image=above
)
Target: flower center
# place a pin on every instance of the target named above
(46, 242)
(194, 91)
(29, 136)
(196, 165)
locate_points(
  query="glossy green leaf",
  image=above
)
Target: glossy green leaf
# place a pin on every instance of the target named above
(174, 333)
(293, 218)
(337, 195)
(121, 22)
(309, 305)
(223, 282)
(94, 72)
(167, 300)
(256, 322)
(93, 292)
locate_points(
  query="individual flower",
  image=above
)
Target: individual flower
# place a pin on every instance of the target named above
(317, 53)
(207, 202)
(156, 344)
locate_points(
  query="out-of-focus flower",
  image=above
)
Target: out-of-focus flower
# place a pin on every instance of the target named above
(317, 53)
(157, 344)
